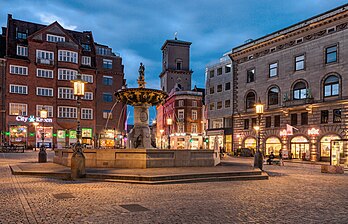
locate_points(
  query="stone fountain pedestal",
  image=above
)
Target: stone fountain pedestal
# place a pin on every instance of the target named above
(140, 137)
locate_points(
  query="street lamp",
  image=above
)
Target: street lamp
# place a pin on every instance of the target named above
(169, 123)
(258, 158)
(35, 125)
(42, 153)
(78, 159)
(161, 131)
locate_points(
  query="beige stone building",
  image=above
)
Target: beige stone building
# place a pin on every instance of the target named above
(300, 74)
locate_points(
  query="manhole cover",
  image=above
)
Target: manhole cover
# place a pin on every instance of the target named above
(134, 208)
(63, 196)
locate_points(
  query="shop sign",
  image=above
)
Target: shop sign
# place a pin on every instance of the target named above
(33, 119)
(61, 134)
(283, 132)
(72, 134)
(313, 131)
(86, 132)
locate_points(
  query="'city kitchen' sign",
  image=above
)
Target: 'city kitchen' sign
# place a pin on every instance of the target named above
(33, 119)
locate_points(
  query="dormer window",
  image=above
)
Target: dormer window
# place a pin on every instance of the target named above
(54, 38)
(22, 35)
(86, 47)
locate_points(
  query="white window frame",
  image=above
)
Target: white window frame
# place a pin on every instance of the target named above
(44, 57)
(44, 73)
(68, 56)
(194, 115)
(47, 107)
(86, 60)
(43, 91)
(21, 70)
(18, 89)
(22, 50)
(106, 114)
(66, 93)
(181, 114)
(107, 61)
(194, 128)
(66, 74)
(181, 128)
(54, 38)
(194, 103)
(86, 113)
(181, 103)
(87, 78)
(67, 112)
(88, 96)
(23, 106)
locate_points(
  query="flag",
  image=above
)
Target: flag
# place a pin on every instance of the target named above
(289, 129)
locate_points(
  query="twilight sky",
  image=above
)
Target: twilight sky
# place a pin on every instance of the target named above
(137, 28)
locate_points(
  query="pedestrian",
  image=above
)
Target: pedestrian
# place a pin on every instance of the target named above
(270, 159)
(281, 158)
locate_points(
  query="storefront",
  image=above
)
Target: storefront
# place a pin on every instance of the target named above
(61, 139)
(107, 139)
(87, 137)
(48, 136)
(274, 145)
(250, 143)
(220, 139)
(300, 148)
(18, 135)
(325, 146)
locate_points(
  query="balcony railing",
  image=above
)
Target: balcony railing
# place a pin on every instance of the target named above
(289, 99)
(44, 61)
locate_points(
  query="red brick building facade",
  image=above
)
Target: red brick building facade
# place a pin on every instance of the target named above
(38, 64)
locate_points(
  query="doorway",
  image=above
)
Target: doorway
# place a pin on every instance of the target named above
(300, 148)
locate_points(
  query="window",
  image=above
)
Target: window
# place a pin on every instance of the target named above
(273, 96)
(19, 89)
(194, 103)
(331, 86)
(86, 47)
(181, 114)
(228, 122)
(324, 117)
(227, 103)
(67, 112)
(300, 91)
(211, 106)
(18, 70)
(299, 62)
(250, 100)
(45, 57)
(331, 54)
(54, 38)
(48, 108)
(211, 73)
(107, 63)
(181, 103)
(41, 91)
(246, 123)
(66, 74)
(194, 115)
(211, 90)
(103, 50)
(107, 114)
(67, 56)
(193, 128)
(87, 113)
(277, 121)
(273, 49)
(219, 105)
(219, 88)
(44, 73)
(331, 29)
(88, 96)
(87, 78)
(251, 75)
(227, 86)
(337, 115)
(107, 97)
(18, 109)
(22, 35)
(22, 50)
(217, 123)
(304, 118)
(273, 69)
(299, 40)
(253, 122)
(219, 71)
(107, 80)
(179, 65)
(86, 60)
(66, 93)
(293, 119)
(181, 128)
(228, 68)
(268, 122)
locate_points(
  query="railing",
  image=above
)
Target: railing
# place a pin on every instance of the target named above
(12, 148)
(44, 61)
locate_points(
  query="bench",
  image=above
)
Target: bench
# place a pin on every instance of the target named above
(274, 162)
(10, 149)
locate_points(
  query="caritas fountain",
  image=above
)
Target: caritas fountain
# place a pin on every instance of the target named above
(139, 152)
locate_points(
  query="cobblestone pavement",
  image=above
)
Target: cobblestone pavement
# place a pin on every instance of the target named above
(295, 193)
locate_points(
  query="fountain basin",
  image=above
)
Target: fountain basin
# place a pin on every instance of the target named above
(140, 158)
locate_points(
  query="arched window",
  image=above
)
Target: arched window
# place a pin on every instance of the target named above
(273, 96)
(250, 100)
(300, 91)
(331, 86)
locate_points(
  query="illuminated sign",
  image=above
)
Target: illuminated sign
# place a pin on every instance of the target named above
(283, 132)
(313, 131)
(33, 119)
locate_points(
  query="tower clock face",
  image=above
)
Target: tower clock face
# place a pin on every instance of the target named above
(143, 116)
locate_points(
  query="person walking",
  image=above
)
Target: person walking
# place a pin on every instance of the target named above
(281, 158)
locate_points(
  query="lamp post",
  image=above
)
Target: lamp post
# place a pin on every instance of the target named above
(161, 131)
(42, 153)
(258, 158)
(78, 168)
(169, 123)
(35, 125)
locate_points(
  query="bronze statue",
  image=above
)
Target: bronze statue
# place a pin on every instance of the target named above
(141, 72)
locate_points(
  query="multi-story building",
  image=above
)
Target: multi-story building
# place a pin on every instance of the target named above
(300, 74)
(219, 103)
(183, 106)
(38, 64)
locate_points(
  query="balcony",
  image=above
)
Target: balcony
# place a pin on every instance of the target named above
(298, 98)
(44, 61)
